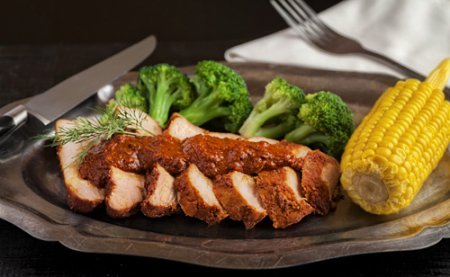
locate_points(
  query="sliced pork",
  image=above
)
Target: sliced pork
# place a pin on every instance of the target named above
(120, 151)
(166, 151)
(196, 156)
(114, 164)
(160, 198)
(320, 175)
(125, 192)
(95, 166)
(196, 196)
(180, 128)
(82, 195)
(259, 139)
(214, 153)
(279, 193)
(217, 156)
(145, 125)
(237, 194)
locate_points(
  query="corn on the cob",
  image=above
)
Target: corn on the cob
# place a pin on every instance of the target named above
(398, 144)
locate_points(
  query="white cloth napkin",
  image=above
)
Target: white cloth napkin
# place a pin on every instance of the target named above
(415, 33)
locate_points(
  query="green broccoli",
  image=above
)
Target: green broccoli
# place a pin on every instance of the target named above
(222, 97)
(129, 96)
(326, 123)
(281, 100)
(167, 89)
(279, 127)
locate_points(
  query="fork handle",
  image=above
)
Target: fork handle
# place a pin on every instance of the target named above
(398, 67)
(393, 64)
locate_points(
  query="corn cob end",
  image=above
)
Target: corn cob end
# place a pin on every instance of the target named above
(398, 144)
(439, 76)
(374, 186)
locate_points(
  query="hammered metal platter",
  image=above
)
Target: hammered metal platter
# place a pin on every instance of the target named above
(32, 197)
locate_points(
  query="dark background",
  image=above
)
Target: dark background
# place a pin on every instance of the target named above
(44, 42)
(55, 21)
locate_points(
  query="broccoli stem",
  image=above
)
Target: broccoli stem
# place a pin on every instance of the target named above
(204, 109)
(161, 102)
(274, 132)
(316, 138)
(257, 119)
(160, 106)
(300, 133)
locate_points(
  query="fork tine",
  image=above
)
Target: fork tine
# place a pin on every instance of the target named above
(300, 24)
(307, 19)
(299, 21)
(288, 19)
(313, 15)
(299, 15)
(308, 10)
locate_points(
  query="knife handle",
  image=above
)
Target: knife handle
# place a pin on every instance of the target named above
(6, 124)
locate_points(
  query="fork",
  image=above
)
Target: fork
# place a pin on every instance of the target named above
(311, 28)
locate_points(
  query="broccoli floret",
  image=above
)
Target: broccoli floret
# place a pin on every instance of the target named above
(326, 123)
(280, 100)
(222, 97)
(167, 89)
(279, 127)
(129, 96)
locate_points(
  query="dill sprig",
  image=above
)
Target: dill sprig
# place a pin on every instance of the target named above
(90, 131)
(112, 121)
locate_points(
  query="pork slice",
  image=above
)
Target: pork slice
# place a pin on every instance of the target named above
(114, 163)
(120, 151)
(258, 139)
(125, 192)
(161, 197)
(237, 194)
(279, 193)
(219, 153)
(319, 184)
(165, 150)
(299, 151)
(148, 126)
(82, 195)
(196, 196)
(95, 166)
(217, 156)
(180, 128)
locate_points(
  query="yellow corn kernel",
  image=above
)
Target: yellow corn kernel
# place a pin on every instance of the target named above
(398, 144)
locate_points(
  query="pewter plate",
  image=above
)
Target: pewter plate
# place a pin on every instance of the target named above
(32, 196)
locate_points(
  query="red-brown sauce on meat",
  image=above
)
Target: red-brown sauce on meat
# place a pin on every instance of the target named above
(165, 150)
(213, 156)
(122, 152)
(94, 167)
(216, 156)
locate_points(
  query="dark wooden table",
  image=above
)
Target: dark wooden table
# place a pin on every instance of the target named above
(43, 45)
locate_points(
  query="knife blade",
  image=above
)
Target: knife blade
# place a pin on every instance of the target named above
(51, 104)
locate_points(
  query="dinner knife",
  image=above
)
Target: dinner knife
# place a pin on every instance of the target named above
(51, 104)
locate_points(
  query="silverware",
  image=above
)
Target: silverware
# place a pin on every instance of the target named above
(61, 98)
(310, 27)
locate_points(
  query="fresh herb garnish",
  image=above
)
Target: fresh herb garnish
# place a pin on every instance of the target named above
(112, 120)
